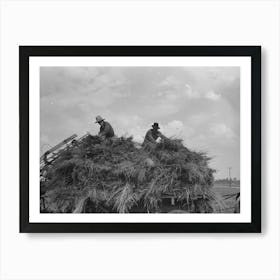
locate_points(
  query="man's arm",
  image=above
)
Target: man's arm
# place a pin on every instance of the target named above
(162, 136)
(101, 132)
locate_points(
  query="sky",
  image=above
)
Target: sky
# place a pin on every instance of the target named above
(200, 105)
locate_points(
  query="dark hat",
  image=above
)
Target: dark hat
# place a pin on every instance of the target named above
(155, 125)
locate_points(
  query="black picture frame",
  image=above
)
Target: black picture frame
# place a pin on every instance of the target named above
(25, 52)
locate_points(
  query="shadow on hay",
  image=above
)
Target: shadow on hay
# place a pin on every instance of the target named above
(120, 177)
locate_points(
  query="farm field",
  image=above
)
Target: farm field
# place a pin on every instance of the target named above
(225, 191)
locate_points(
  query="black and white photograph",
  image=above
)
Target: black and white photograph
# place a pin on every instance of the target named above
(140, 140)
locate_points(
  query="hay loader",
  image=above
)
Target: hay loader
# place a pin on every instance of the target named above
(53, 153)
(50, 155)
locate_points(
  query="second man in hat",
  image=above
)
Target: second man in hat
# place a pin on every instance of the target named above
(152, 135)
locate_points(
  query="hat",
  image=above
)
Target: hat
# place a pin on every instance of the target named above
(155, 125)
(99, 119)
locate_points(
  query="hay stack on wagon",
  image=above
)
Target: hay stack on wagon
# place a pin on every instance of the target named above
(118, 177)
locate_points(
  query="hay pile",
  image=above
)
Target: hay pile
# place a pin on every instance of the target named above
(116, 176)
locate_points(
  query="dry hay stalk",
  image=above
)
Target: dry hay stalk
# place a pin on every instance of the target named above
(118, 176)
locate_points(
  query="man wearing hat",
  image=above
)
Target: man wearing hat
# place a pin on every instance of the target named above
(106, 131)
(152, 135)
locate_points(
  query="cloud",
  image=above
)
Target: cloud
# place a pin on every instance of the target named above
(222, 130)
(169, 81)
(198, 104)
(159, 110)
(169, 97)
(88, 85)
(138, 133)
(171, 87)
(188, 91)
(200, 118)
(211, 95)
(173, 129)
(178, 129)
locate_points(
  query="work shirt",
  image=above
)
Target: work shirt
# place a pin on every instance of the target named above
(106, 130)
(151, 136)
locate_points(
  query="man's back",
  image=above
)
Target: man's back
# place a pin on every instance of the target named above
(106, 130)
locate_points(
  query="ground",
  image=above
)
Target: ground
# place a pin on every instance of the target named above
(227, 191)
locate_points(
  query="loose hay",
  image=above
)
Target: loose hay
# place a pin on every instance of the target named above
(117, 176)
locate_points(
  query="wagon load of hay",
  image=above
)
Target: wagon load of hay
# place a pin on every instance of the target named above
(118, 177)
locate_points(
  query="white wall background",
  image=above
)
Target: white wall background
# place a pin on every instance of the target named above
(139, 256)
